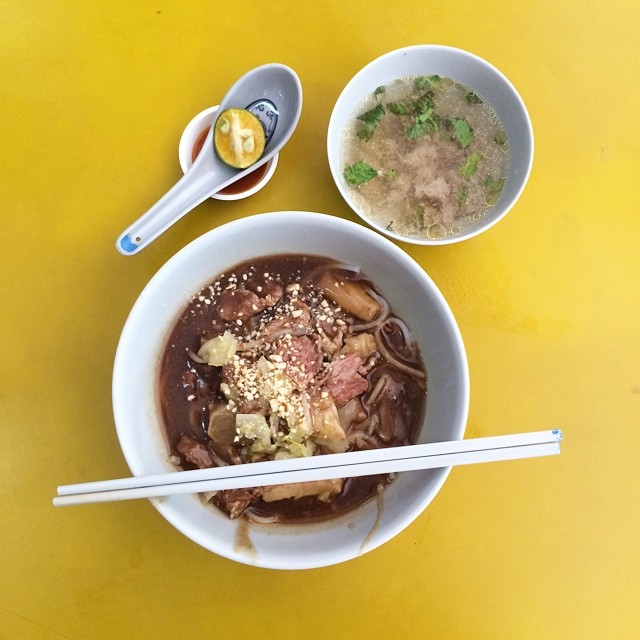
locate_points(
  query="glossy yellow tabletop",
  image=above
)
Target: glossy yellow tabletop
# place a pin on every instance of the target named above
(93, 98)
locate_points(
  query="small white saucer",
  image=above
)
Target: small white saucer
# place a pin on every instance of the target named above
(190, 135)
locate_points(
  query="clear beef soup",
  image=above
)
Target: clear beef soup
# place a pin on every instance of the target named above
(288, 356)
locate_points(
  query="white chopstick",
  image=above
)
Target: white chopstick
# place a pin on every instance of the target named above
(325, 467)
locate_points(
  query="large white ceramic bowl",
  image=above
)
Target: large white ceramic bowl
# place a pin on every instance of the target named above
(466, 68)
(412, 295)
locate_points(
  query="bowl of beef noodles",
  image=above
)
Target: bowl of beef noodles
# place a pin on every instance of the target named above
(285, 335)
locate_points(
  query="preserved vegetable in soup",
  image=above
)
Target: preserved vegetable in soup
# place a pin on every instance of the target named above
(425, 157)
(288, 356)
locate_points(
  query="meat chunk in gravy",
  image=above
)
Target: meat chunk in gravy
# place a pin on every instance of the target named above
(235, 501)
(343, 380)
(195, 452)
(238, 304)
(303, 357)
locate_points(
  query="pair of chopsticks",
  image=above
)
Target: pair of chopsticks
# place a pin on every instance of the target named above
(325, 467)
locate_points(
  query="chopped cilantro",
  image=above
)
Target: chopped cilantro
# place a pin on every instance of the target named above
(494, 189)
(491, 184)
(371, 119)
(471, 165)
(424, 116)
(426, 101)
(463, 131)
(417, 130)
(424, 120)
(420, 217)
(380, 90)
(422, 112)
(500, 138)
(397, 108)
(422, 81)
(359, 173)
(473, 98)
(373, 116)
(463, 194)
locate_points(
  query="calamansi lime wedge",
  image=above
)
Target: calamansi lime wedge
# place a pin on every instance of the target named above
(238, 138)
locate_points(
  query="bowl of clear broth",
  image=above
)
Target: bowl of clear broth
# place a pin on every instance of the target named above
(283, 335)
(190, 146)
(430, 144)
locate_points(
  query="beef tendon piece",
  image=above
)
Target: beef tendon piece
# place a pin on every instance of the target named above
(349, 295)
(363, 345)
(323, 489)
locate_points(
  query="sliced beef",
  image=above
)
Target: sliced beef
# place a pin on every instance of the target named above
(303, 357)
(271, 293)
(194, 452)
(240, 304)
(343, 380)
(235, 501)
(295, 322)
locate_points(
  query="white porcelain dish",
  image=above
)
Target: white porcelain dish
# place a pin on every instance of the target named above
(202, 122)
(466, 68)
(412, 295)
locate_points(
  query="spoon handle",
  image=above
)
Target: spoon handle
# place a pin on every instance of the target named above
(192, 189)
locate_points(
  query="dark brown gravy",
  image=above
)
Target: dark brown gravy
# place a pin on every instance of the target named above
(187, 389)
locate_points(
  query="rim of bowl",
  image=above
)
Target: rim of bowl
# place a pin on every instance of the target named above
(185, 148)
(127, 342)
(335, 141)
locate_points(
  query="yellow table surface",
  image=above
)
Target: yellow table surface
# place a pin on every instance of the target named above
(93, 98)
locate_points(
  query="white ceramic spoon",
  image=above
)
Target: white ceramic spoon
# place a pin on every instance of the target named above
(275, 83)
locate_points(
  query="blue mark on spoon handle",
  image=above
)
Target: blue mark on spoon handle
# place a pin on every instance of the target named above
(127, 244)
